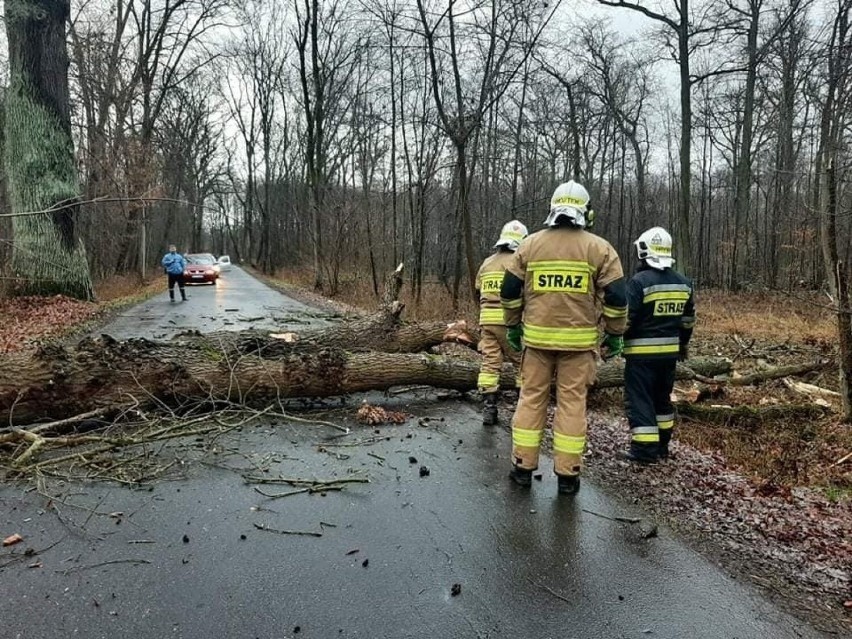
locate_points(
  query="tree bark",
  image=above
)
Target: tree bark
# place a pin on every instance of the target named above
(382, 332)
(682, 229)
(39, 152)
(58, 382)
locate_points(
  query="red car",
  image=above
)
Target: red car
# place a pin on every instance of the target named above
(201, 269)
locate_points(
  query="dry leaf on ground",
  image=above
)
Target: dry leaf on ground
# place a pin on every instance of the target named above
(29, 318)
(374, 415)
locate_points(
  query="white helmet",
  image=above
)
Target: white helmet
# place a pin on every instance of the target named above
(570, 201)
(654, 246)
(511, 235)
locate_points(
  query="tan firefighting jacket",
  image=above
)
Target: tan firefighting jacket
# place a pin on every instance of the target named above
(566, 271)
(489, 279)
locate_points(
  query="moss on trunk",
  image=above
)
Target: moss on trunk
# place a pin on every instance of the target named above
(39, 153)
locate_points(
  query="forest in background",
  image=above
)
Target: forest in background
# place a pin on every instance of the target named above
(345, 136)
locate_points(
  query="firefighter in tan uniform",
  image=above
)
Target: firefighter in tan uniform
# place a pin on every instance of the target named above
(493, 344)
(560, 283)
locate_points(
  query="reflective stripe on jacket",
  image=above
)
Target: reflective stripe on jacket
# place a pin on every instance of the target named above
(488, 282)
(565, 271)
(661, 313)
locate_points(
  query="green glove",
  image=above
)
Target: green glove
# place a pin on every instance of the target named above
(514, 335)
(613, 345)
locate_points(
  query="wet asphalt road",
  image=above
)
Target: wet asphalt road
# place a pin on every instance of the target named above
(237, 302)
(188, 560)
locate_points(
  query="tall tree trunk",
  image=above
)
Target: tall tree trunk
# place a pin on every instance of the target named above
(834, 109)
(575, 134)
(742, 199)
(838, 282)
(39, 153)
(516, 162)
(682, 230)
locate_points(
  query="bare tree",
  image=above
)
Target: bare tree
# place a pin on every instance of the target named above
(687, 32)
(502, 35)
(328, 52)
(837, 101)
(748, 17)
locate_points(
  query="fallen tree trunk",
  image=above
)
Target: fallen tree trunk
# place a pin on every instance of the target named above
(382, 331)
(777, 372)
(750, 416)
(58, 382)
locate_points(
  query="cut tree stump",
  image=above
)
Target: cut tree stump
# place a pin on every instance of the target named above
(57, 382)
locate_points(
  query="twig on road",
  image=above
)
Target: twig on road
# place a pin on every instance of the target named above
(29, 553)
(309, 490)
(552, 592)
(303, 533)
(627, 520)
(360, 442)
(134, 562)
(311, 483)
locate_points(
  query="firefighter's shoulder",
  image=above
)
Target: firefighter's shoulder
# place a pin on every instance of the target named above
(598, 247)
(647, 277)
(681, 278)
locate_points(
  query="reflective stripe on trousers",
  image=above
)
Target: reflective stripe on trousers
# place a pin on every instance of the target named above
(645, 434)
(495, 350)
(526, 438)
(665, 422)
(488, 380)
(647, 396)
(569, 444)
(575, 372)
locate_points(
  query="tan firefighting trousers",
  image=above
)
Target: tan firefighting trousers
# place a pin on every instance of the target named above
(575, 372)
(495, 349)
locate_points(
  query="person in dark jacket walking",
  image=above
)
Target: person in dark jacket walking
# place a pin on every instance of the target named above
(660, 319)
(174, 264)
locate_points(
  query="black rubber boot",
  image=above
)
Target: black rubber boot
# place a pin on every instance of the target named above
(171, 295)
(182, 295)
(665, 438)
(489, 410)
(641, 453)
(521, 476)
(568, 484)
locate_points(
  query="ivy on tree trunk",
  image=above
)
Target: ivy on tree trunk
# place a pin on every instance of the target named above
(47, 256)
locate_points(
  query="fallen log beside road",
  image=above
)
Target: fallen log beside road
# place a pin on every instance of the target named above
(749, 416)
